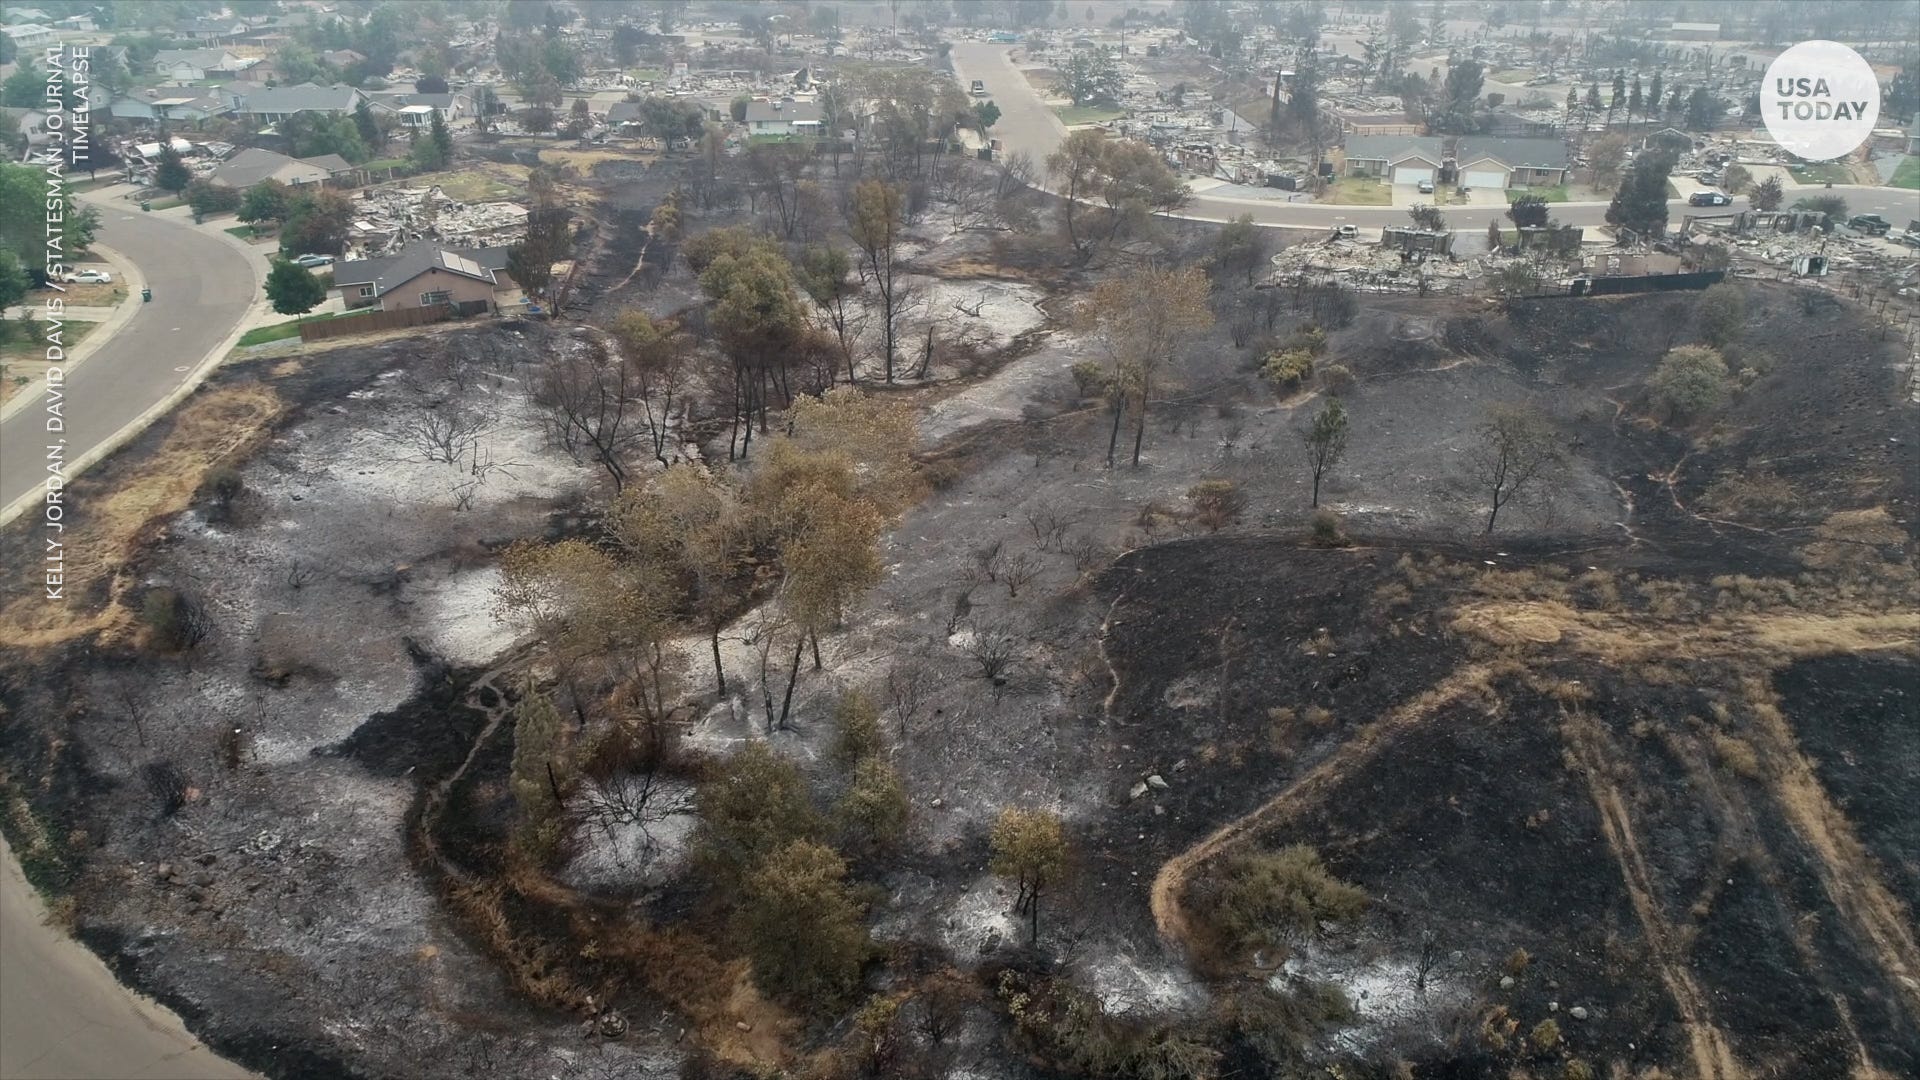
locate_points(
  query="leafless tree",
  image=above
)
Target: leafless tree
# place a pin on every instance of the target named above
(962, 608)
(1019, 572)
(909, 685)
(988, 559)
(1429, 959)
(1017, 174)
(594, 407)
(640, 801)
(443, 431)
(1514, 456)
(992, 648)
(1050, 526)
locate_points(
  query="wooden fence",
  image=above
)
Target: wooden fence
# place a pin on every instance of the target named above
(372, 321)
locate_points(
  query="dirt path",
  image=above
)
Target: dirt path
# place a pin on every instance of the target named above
(1170, 884)
(1849, 874)
(1712, 1054)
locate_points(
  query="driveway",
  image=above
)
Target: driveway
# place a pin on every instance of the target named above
(202, 286)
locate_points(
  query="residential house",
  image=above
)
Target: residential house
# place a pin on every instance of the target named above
(14, 15)
(265, 72)
(1693, 31)
(451, 106)
(252, 165)
(195, 65)
(30, 123)
(1398, 159)
(621, 113)
(209, 31)
(341, 58)
(80, 23)
(1511, 163)
(425, 274)
(783, 118)
(272, 104)
(189, 108)
(29, 36)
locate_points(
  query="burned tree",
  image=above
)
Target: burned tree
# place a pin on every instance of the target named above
(1513, 456)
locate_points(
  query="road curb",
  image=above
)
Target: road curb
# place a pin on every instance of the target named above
(130, 274)
(133, 428)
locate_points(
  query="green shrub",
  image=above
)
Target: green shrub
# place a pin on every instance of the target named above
(1260, 901)
(1690, 381)
(1288, 368)
(1089, 378)
(1326, 528)
(172, 621)
(1338, 378)
(1545, 1035)
(856, 724)
(1216, 503)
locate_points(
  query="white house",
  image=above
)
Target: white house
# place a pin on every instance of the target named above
(194, 65)
(783, 118)
(30, 35)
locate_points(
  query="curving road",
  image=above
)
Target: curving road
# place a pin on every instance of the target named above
(63, 1016)
(1027, 124)
(202, 289)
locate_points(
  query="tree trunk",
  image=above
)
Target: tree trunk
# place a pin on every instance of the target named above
(1316, 489)
(1033, 917)
(1113, 437)
(1493, 514)
(793, 676)
(814, 638)
(719, 672)
(1140, 427)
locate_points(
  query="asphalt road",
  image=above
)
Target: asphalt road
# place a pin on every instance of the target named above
(63, 1016)
(1028, 125)
(202, 288)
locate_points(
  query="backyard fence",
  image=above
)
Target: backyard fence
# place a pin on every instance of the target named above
(372, 321)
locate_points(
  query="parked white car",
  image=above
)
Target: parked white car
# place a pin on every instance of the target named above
(90, 277)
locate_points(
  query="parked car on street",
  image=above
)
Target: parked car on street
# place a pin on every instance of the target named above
(90, 277)
(1709, 198)
(1425, 187)
(311, 261)
(1871, 224)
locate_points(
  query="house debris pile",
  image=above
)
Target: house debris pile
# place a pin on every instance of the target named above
(1414, 261)
(387, 219)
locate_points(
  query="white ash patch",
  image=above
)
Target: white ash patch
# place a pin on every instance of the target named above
(459, 610)
(1006, 394)
(982, 916)
(616, 854)
(1383, 992)
(1125, 985)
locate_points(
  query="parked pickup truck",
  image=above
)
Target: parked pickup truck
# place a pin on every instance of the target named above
(979, 88)
(1871, 224)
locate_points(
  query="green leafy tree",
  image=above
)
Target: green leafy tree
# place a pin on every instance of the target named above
(369, 129)
(755, 806)
(1030, 848)
(738, 108)
(1326, 442)
(1427, 216)
(1091, 76)
(1690, 381)
(801, 928)
(1605, 156)
(985, 115)
(317, 221)
(1723, 314)
(856, 724)
(24, 89)
(1768, 194)
(171, 174)
(207, 198)
(876, 220)
(294, 289)
(1515, 455)
(1833, 206)
(23, 198)
(873, 812)
(1736, 179)
(1239, 249)
(265, 201)
(1704, 111)
(538, 775)
(1528, 211)
(13, 280)
(1641, 203)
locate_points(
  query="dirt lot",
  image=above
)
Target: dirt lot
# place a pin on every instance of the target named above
(1655, 731)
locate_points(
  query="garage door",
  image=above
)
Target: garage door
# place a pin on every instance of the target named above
(1404, 174)
(1484, 179)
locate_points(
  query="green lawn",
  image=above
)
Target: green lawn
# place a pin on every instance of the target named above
(382, 164)
(166, 204)
(646, 74)
(1822, 173)
(1086, 114)
(1511, 76)
(261, 335)
(1551, 194)
(20, 346)
(1359, 191)
(244, 232)
(1908, 174)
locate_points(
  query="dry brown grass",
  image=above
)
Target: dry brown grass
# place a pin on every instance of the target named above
(107, 527)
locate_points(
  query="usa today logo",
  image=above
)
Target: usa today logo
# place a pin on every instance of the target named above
(1820, 100)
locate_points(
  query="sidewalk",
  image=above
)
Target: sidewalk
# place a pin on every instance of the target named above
(108, 322)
